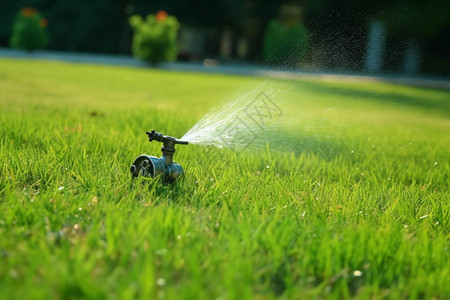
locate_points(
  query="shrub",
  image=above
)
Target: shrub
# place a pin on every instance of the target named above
(284, 45)
(29, 30)
(155, 38)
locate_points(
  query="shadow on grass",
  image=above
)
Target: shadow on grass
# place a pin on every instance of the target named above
(326, 147)
(442, 107)
(323, 147)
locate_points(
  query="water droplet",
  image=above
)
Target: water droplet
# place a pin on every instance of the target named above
(80, 209)
(161, 251)
(267, 167)
(60, 188)
(161, 282)
(435, 163)
(13, 273)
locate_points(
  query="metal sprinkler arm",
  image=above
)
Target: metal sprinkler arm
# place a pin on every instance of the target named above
(165, 139)
(168, 148)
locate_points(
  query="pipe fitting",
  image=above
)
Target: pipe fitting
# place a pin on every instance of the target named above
(162, 167)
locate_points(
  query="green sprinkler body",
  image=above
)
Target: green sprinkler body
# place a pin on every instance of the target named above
(162, 167)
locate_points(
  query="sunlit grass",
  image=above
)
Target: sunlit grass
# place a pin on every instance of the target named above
(359, 208)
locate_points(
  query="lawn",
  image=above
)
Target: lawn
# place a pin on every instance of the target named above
(356, 204)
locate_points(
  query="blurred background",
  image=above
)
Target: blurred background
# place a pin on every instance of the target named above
(385, 36)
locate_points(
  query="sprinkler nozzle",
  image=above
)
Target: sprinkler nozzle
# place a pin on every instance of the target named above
(156, 136)
(152, 166)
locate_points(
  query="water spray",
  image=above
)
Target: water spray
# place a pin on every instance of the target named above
(162, 167)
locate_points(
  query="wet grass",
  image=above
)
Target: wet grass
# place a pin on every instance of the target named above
(358, 206)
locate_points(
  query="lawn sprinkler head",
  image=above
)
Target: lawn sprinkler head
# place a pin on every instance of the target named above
(152, 166)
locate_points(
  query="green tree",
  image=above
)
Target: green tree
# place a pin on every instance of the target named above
(155, 38)
(29, 30)
(283, 44)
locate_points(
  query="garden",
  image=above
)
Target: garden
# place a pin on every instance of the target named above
(357, 206)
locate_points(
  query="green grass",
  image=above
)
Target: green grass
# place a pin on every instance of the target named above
(359, 207)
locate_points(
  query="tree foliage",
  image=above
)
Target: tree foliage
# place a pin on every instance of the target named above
(284, 45)
(418, 19)
(155, 38)
(29, 30)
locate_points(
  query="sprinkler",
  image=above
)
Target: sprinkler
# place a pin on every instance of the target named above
(152, 166)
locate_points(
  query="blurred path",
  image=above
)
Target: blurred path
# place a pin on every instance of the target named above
(213, 66)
